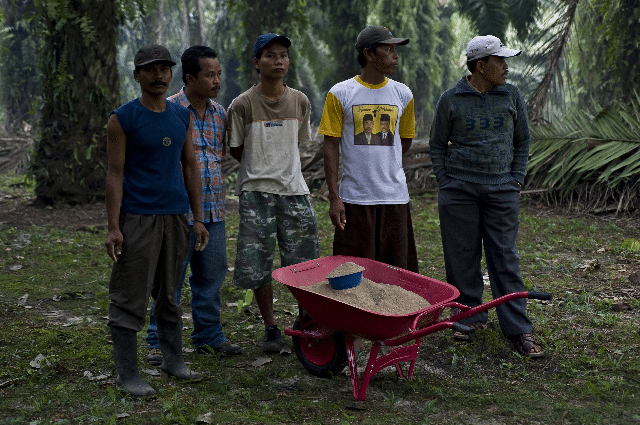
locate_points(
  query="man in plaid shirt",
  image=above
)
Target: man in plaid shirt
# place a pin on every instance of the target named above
(201, 75)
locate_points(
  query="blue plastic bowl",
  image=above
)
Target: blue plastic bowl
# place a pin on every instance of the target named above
(347, 281)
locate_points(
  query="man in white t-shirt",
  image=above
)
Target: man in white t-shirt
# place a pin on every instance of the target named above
(266, 125)
(370, 208)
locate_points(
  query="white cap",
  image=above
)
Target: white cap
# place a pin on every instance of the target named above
(488, 45)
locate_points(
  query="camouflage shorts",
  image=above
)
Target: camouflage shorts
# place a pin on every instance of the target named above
(265, 219)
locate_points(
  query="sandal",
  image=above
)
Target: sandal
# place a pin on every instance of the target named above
(461, 336)
(527, 346)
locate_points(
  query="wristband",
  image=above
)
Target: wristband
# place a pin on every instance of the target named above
(199, 221)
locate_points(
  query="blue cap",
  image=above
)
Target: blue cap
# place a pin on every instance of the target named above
(265, 39)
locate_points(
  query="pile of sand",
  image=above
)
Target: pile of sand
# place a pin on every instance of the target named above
(372, 296)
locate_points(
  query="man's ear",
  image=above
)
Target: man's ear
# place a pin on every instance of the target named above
(255, 62)
(368, 53)
(480, 66)
(189, 78)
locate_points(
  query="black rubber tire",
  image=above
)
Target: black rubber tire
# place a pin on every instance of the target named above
(323, 358)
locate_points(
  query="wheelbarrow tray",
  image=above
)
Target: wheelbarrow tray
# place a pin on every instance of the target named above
(354, 320)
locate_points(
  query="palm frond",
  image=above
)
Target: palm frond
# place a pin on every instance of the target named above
(553, 50)
(598, 156)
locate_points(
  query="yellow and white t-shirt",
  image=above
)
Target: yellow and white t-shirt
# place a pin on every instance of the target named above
(270, 132)
(365, 116)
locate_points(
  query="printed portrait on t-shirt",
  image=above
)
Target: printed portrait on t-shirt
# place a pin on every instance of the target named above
(374, 124)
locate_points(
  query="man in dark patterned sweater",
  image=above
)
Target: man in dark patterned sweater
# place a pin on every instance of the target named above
(479, 145)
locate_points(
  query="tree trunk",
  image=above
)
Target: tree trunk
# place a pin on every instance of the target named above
(80, 89)
(202, 27)
(186, 34)
(157, 25)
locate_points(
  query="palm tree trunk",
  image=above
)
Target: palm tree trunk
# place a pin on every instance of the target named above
(80, 89)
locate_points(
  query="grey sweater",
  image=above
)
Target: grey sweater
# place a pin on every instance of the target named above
(480, 138)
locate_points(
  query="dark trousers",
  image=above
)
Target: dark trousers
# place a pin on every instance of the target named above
(473, 215)
(379, 232)
(153, 251)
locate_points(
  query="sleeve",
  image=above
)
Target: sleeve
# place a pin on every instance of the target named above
(521, 141)
(439, 137)
(235, 129)
(407, 128)
(331, 122)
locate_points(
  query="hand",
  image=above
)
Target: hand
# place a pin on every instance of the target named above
(337, 214)
(114, 243)
(202, 236)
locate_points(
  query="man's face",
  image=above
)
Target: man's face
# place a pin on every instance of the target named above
(495, 70)
(384, 126)
(207, 82)
(368, 126)
(274, 61)
(154, 78)
(385, 59)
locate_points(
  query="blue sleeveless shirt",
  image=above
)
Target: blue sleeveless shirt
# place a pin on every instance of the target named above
(153, 182)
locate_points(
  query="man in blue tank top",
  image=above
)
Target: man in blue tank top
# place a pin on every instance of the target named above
(152, 179)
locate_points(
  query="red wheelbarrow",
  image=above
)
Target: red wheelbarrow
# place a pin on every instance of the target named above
(323, 334)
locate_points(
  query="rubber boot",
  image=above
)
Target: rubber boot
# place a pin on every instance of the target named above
(125, 356)
(170, 340)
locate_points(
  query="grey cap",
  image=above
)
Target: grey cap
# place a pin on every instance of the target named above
(488, 45)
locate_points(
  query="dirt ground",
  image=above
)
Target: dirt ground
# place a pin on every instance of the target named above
(15, 212)
(20, 213)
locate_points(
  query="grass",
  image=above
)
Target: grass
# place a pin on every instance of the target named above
(591, 374)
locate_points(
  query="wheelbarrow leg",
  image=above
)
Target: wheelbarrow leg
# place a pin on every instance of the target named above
(353, 367)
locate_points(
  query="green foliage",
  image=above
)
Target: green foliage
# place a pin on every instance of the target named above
(604, 148)
(606, 52)
(19, 76)
(246, 300)
(494, 16)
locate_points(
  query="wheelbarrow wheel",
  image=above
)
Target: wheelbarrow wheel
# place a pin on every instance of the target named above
(321, 357)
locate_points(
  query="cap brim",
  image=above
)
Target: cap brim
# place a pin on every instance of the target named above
(507, 53)
(280, 39)
(400, 41)
(157, 60)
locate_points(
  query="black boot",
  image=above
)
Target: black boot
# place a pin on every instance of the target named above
(125, 356)
(170, 339)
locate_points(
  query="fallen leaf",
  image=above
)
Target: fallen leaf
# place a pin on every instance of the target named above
(152, 372)
(261, 361)
(15, 268)
(23, 299)
(122, 415)
(37, 362)
(207, 418)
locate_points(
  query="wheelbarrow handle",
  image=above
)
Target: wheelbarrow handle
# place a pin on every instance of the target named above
(546, 296)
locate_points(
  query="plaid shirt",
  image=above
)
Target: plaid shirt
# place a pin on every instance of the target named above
(208, 140)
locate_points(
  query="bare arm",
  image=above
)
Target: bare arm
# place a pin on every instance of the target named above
(193, 184)
(236, 152)
(331, 152)
(406, 145)
(116, 149)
